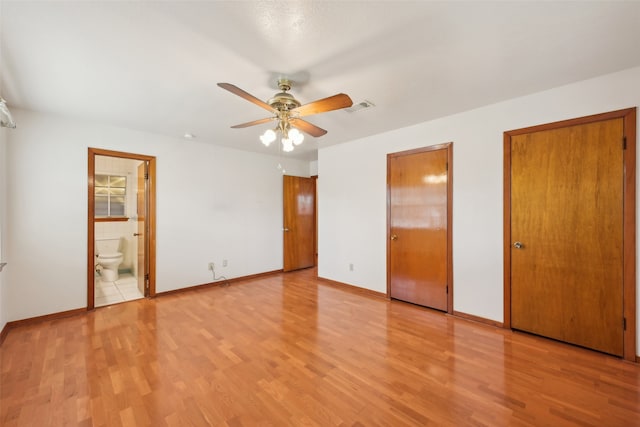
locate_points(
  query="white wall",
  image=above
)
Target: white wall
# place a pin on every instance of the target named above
(3, 216)
(352, 206)
(213, 203)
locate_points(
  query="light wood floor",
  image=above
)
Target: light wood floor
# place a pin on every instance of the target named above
(287, 350)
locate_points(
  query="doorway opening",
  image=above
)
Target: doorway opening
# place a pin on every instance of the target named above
(121, 227)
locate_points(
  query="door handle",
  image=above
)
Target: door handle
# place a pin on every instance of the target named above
(518, 245)
(285, 229)
(137, 234)
(394, 237)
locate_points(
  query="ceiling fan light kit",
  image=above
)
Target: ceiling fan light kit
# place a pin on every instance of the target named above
(287, 111)
(6, 121)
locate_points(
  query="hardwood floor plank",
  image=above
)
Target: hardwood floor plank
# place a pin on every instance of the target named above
(288, 350)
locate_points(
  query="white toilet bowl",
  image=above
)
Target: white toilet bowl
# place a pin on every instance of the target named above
(109, 264)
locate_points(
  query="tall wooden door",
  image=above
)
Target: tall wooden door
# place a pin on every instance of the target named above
(299, 222)
(141, 208)
(567, 234)
(418, 226)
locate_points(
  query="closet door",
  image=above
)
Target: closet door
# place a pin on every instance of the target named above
(567, 234)
(418, 235)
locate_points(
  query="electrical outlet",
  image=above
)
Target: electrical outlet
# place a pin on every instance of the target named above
(211, 265)
(350, 267)
(225, 263)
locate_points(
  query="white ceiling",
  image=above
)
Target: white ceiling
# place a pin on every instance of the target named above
(154, 65)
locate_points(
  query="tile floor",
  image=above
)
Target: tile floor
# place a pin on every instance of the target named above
(123, 289)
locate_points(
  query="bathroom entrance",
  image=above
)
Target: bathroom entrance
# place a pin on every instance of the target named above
(121, 227)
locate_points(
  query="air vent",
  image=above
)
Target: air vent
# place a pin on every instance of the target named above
(360, 106)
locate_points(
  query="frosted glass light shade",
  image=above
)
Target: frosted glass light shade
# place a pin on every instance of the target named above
(287, 145)
(296, 136)
(268, 137)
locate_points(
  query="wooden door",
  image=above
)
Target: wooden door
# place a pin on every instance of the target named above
(567, 234)
(141, 208)
(418, 226)
(299, 222)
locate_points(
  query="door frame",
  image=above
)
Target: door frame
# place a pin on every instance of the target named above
(315, 220)
(150, 237)
(629, 216)
(444, 146)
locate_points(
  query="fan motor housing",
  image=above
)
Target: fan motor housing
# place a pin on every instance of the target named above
(283, 102)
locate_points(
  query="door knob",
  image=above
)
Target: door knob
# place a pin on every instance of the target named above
(285, 229)
(518, 245)
(394, 237)
(137, 234)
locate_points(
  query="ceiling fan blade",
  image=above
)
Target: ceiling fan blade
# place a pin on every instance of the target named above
(307, 127)
(253, 123)
(331, 103)
(242, 94)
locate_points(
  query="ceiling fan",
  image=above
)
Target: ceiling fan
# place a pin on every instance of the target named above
(6, 121)
(287, 111)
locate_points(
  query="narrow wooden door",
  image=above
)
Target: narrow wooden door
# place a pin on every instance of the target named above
(299, 222)
(567, 234)
(141, 208)
(418, 249)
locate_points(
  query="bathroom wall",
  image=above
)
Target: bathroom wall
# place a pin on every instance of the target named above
(213, 203)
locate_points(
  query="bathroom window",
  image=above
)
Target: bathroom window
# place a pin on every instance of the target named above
(110, 196)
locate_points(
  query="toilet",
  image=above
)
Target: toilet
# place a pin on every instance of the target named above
(109, 257)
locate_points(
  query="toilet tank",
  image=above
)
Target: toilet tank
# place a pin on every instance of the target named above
(107, 246)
